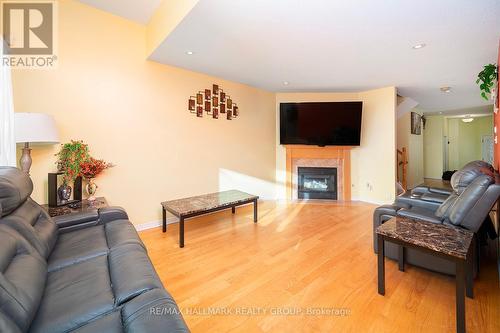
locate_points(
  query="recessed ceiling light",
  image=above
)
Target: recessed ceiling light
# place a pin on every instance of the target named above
(445, 89)
(440, 112)
(189, 52)
(286, 83)
(418, 46)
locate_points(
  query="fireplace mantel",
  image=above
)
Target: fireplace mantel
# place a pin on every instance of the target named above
(341, 154)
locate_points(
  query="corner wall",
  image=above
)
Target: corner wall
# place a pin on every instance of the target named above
(373, 164)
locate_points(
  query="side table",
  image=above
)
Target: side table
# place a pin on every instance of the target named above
(78, 207)
(440, 240)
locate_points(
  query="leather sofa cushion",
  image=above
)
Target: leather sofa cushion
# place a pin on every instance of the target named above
(153, 311)
(15, 188)
(444, 210)
(463, 177)
(22, 278)
(35, 225)
(77, 246)
(469, 198)
(132, 272)
(110, 323)
(75, 296)
(7, 325)
(68, 220)
(80, 245)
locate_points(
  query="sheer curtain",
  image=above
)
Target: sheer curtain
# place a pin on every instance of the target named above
(7, 141)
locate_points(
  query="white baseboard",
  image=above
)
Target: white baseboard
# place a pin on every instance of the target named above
(155, 224)
(373, 202)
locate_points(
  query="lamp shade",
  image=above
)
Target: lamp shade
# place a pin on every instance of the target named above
(35, 128)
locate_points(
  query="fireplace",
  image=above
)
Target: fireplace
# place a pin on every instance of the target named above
(317, 183)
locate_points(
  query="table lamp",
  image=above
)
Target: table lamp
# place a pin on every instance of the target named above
(34, 128)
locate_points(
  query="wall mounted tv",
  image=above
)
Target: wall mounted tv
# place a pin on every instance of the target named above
(321, 123)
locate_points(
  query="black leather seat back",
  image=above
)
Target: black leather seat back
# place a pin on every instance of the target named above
(23, 273)
(23, 214)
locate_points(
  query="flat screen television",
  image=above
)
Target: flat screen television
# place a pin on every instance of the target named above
(321, 123)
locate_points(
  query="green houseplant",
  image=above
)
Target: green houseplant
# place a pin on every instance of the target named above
(487, 80)
(70, 157)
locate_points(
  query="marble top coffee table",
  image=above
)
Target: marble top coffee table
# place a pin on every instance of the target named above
(204, 204)
(445, 241)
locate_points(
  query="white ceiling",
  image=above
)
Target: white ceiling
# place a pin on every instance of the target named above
(139, 11)
(338, 45)
(335, 45)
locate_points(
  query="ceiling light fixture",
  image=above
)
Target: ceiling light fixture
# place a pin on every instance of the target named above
(286, 83)
(467, 119)
(446, 90)
(189, 52)
(418, 46)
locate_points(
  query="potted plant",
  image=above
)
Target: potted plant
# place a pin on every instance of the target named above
(69, 159)
(487, 80)
(90, 169)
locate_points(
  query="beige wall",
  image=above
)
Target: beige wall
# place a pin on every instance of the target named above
(373, 164)
(134, 113)
(433, 147)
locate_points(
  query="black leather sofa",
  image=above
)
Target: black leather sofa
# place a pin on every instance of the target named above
(475, 191)
(91, 273)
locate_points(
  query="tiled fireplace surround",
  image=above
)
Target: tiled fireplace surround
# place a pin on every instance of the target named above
(311, 156)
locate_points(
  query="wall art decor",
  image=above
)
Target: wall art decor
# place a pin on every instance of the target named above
(416, 123)
(191, 104)
(213, 101)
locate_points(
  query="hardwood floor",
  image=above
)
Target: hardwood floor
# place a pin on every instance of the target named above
(304, 256)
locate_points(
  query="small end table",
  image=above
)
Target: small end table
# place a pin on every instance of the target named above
(77, 207)
(440, 240)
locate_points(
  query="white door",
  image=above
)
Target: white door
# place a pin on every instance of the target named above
(487, 148)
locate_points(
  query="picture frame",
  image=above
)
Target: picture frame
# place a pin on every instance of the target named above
(229, 103)
(208, 106)
(199, 98)
(416, 123)
(215, 101)
(215, 89)
(235, 111)
(222, 96)
(208, 94)
(215, 113)
(192, 104)
(199, 111)
(229, 115)
(222, 108)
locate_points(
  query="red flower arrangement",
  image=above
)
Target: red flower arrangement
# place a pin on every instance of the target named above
(92, 167)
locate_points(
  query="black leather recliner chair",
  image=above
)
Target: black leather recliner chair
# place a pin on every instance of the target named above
(468, 206)
(92, 274)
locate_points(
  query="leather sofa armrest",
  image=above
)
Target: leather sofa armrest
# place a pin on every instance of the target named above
(73, 221)
(443, 191)
(108, 214)
(418, 213)
(420, 189)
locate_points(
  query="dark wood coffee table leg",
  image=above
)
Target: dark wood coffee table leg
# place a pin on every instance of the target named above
(381, 264)
(181, 232)
(233, 209)
(460, 296)
(401, 258)
(164, 219)
(255, 211)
